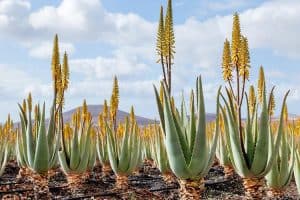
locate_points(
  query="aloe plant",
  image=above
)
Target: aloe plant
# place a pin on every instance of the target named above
(79, 155)
(253, 153)
(124, 153)
(37, 147)
(5, 144)
(189, 153)
(102, 153)
(281, 172)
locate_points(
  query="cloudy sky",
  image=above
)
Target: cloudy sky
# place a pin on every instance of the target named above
(117, 37)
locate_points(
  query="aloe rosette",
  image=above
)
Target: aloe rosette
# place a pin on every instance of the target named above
(5, 148)
(103, 154)
(189, 153)
(124, 153)
(37, 147)
(281, 172)
(79, 154)
(254, 154)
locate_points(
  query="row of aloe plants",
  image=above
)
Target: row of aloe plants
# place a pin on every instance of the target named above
(182, 147)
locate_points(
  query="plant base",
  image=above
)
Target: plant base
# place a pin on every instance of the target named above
(169, 178)
(191, 189)
(275, 193)
(106, 169)
(254, 187)
(23, 173)
(40, 186)
(74, 182)
(228, 171)
(122, 182)
(51, 173)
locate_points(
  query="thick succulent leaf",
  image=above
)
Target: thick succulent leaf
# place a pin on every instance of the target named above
(112, 155)
(192, 129)
(237, 157)
(297, 171)
(284, 158)
(272, 177)
(54, 154)
(261, 147)
(173, 144)
(82, 167)
(41, 158)
(63, 162)
(125, 153)
(160, 109)
(200, 147)
(4, 160)
(75, 151)
(278, 139)
(249, 143)
(135, 154)
(30, 147)
(102, 150)
(51, 127)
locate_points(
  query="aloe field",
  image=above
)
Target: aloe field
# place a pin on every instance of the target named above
(242, 143)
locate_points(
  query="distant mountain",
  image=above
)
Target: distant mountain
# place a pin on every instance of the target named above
(96, 109)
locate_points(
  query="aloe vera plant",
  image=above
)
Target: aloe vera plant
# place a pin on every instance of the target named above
(124, 152)
(253, 153)
(5, 143)
(189, 153)
(37, 146)
(281, 172)
(79, 154)
(101, 144)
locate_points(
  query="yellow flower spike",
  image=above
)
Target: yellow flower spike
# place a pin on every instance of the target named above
(226, 62)
(114, 102)
(132, 115)
(55, 61)
(105, 111)
(169, 32)
(29, 102)
(261, 85)
(36, 112)
(252, 99)
(65, 72)
(84, 108)
(160, 41)
(244, 58)
(236, 39)
(59, 87)
(24, 106)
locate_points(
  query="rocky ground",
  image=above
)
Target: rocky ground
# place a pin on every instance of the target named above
(146, 184)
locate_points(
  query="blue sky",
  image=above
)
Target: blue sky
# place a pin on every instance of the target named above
(112, 37)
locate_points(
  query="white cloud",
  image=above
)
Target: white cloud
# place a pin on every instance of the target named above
(44, 49)
(130, 38)
(106, 68)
